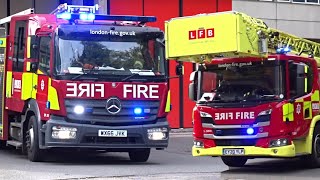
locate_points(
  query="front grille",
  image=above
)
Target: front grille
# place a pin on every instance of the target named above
(96, 113)
(237, 142)
(232, 132)
(208, 120)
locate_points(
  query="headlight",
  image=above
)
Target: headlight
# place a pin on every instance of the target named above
(59, 132)
(204, 114)
(157, 133)
(198, 144)
(279, 142)
(266, 112)
(78, 109)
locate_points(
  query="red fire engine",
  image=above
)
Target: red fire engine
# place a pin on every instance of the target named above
(256, 88)
(78, 79)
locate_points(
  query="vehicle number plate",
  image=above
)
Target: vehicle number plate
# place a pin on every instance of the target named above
(113, 133)
(233, 152)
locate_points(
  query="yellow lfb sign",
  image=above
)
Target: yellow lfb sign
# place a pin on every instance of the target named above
(205, 36)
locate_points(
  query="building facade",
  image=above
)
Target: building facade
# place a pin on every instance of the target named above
(298, 17)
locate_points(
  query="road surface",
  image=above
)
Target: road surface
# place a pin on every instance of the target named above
(174, 163)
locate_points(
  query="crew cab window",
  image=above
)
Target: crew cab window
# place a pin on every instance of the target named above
(300, 79)
(19, 45)
(44, 55)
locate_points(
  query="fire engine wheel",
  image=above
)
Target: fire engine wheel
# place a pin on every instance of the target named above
(32, 141)
(139, 155)
(313, 160)
(234, 161)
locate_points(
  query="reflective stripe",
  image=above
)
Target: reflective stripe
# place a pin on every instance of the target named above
(168, 103)
(53, 97)
(315, 96)
(27, 86)
(306, 79)
(9, 84)
(3, 42)
(39, 72)
(28, 47)
(28, 66)
(288, 110)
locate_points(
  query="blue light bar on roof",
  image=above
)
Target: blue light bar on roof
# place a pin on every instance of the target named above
(66, 16)
(85, 16)
(90, 16)
(126, 18)
(283, 50)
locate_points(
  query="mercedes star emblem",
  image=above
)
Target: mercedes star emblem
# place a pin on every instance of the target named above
(113, 105)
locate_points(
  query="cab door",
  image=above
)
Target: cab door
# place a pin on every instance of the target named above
(18, 59)
(304, 96)
(43, 72)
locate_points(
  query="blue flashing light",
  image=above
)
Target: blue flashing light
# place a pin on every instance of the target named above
(283, 50)
(137, 111)
(126, 18)
(89, 110)
(66, 16)
(91, 16)
(83, 16)
(250, 131)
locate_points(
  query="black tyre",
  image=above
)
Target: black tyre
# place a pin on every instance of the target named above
(313, 160)
(3, 144)
(139, 155)
(35, 154)
(234, 161)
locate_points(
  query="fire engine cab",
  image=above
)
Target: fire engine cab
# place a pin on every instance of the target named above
(256, 88)
(81, 80)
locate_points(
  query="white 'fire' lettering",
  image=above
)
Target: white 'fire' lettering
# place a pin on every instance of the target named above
(139, 91)
(89, 90)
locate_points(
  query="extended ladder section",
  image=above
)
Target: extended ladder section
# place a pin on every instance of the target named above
(205, 37)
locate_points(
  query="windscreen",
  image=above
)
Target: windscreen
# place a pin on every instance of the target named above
(74, 56)
(243, 82)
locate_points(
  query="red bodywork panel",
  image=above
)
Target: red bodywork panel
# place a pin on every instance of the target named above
(105, 90)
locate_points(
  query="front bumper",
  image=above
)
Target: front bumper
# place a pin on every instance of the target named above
(87, 136)
(251, 151)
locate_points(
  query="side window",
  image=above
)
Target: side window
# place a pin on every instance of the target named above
(19, 45)
(44, 54)
(300, 79)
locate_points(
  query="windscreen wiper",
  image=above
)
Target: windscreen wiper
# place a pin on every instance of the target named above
(93, 71)
(136, 74)
(133, 75)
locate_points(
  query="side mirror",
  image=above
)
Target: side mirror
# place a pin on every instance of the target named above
(179, 69)
(192, 94)
(192, 86)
